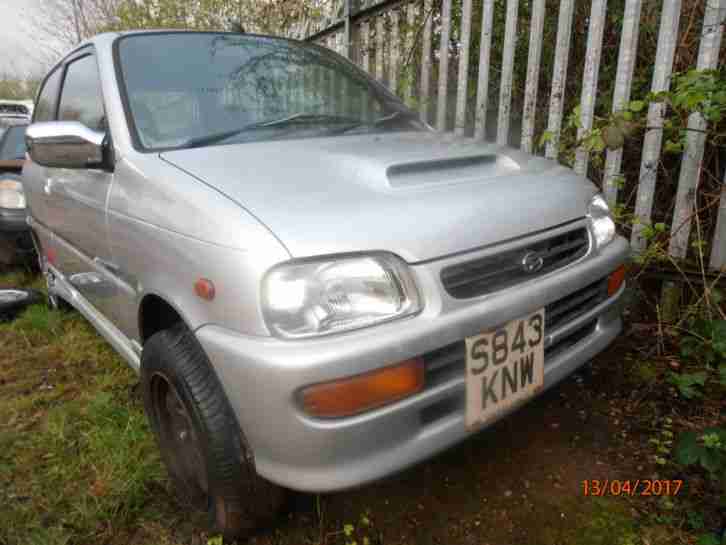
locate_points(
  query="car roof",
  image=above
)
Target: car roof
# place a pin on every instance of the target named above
(106, 38)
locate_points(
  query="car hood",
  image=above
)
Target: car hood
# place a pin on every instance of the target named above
(420, 195)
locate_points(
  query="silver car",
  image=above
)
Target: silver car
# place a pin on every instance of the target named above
(317, 288)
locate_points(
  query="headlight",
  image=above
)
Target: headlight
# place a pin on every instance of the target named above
(328, 296)
(11, 194)
(603, 226)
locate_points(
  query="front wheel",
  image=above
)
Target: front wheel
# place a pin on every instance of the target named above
(13, 301)
(201, 444)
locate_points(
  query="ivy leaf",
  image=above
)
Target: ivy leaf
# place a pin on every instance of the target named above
(687, 449)
(686, 382)
(720, 433)
(546, 137)
(673, 147)
(711, 460)
(637, 106)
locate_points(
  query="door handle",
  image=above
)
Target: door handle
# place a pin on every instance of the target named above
(48, 186)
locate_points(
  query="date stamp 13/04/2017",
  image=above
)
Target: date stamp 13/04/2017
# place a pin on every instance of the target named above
(632, 487)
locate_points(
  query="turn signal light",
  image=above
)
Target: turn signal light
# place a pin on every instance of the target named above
(360, 393)
(204, 288)
(615, 280)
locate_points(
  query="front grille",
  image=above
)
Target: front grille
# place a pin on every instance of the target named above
(448, 361)
(576, 304)
(506, 269)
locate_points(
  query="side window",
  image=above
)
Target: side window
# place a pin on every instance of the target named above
(45, 108)
(81, 98)
(12, 146)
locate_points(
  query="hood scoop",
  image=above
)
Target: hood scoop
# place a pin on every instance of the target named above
(459, 169)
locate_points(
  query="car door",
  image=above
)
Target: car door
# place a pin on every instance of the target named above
(35, 175)
(76, 198)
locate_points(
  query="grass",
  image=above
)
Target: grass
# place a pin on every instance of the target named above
(78, 463)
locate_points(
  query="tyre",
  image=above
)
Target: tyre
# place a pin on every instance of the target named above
(13, 301)
(201, 443)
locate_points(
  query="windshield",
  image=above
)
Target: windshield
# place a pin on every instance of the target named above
(12, 144)
(192, 89)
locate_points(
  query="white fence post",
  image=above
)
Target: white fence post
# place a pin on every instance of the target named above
(667, 40)
(621, 95)
(559, 77)
(532, 83)
(718, 248)
(463, 83)
(394, 45)
(426, 62)
(598, 17)
(695, 138)
(365, 46)
(379, 48)
(410, 36)
(365, 62)
(485, 55)
(442, 97)
(505, 89)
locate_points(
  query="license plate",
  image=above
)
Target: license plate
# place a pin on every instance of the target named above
(504, 367)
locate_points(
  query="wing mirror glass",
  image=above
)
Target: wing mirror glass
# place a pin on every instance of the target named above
(66, 144)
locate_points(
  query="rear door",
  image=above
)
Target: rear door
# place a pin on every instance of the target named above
(77, 197)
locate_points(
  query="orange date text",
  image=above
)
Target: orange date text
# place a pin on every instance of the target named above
(632, 487)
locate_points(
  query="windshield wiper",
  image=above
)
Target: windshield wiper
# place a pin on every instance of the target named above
(300, 117)
(397, 115)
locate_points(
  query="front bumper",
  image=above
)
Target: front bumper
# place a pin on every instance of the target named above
(262, 375)
(16, 242)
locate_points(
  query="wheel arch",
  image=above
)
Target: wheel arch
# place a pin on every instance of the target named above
(157, 313)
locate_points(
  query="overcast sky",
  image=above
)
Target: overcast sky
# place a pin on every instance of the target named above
(17, 45)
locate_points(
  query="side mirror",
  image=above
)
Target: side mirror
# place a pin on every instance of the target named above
(65, 144)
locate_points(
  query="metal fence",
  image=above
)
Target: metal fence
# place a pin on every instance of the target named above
(384, 37)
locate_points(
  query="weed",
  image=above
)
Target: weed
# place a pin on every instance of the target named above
(706, 449)
(361, 533)
(38, 319)
(663, 442)
(686, 383)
